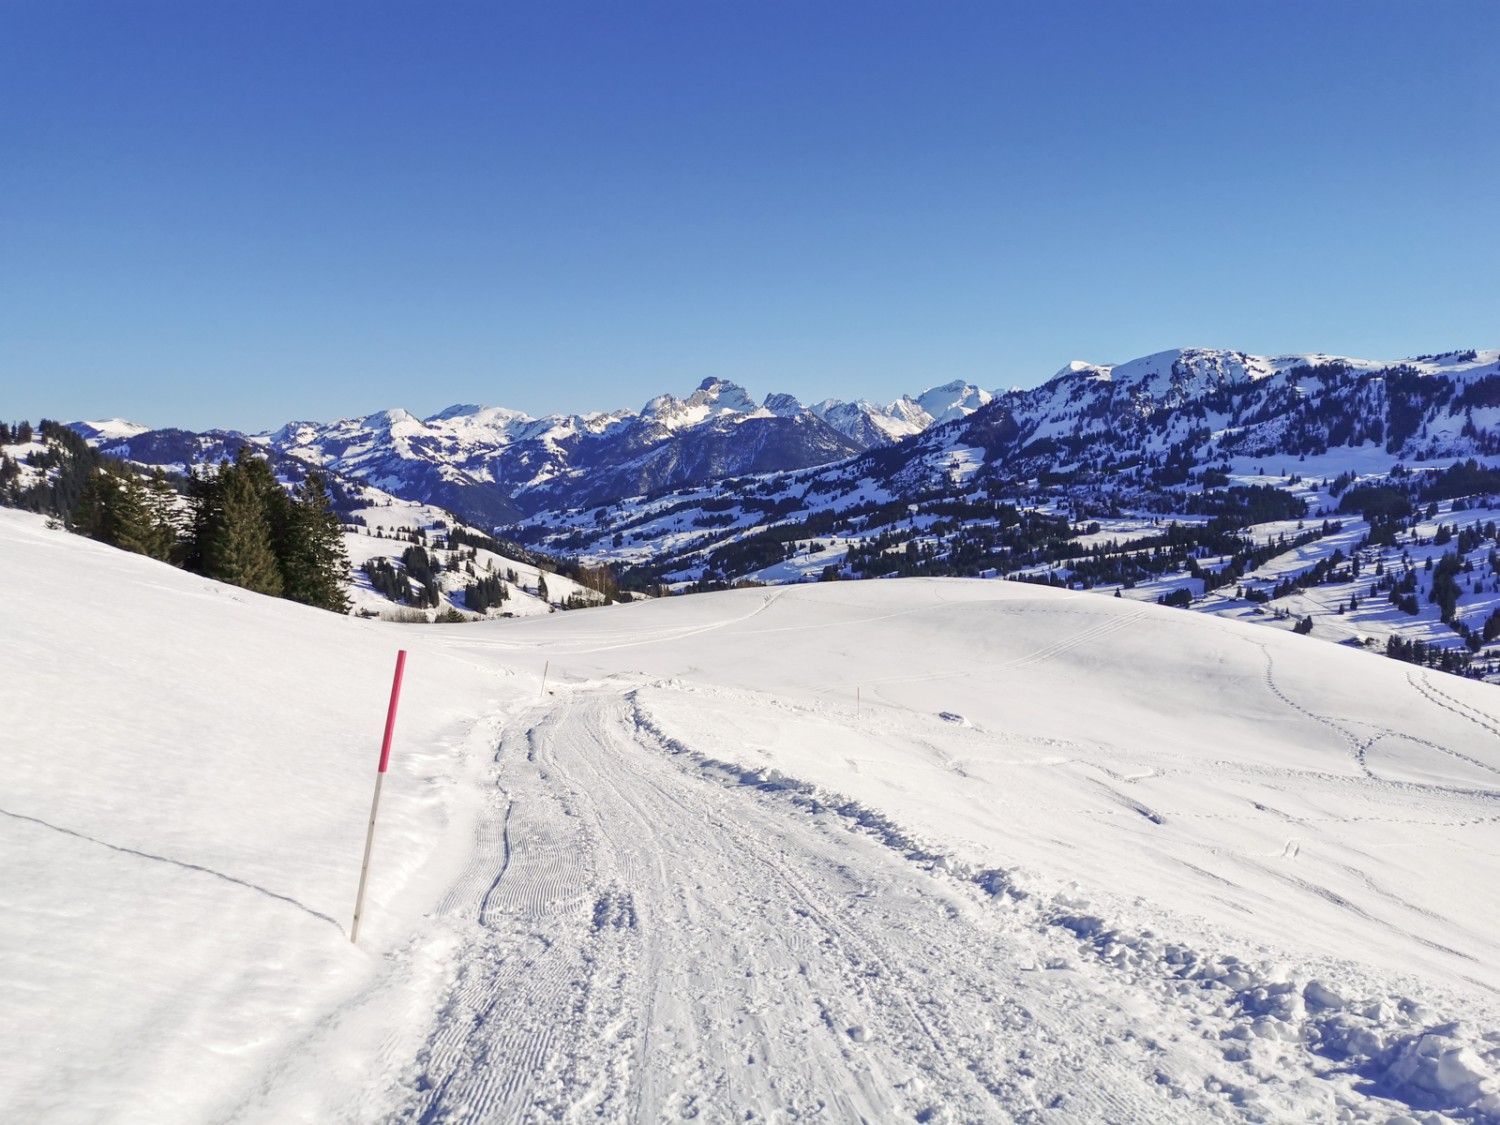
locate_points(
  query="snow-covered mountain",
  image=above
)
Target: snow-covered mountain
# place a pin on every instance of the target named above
(408, 561)
(110, 430)
(842, 851)
(873, 425)
(1133, 429)
(1232, 449)
(1141, 420)
(1295, 490)
(490, 464)
(1203, 403)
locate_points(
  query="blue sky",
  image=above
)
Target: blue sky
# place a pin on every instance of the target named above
(235, 214)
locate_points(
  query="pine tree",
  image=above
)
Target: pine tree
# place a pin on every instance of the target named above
(112, 509)
(91, 517)
(485, 593)
(132, 530)
(203, 509)
(235, 544)
(275, 505)
(246, 530)
(316, 566)
(161, 508)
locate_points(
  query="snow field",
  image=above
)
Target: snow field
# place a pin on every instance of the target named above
(1224, 810)
(934, 850)
(188, 779)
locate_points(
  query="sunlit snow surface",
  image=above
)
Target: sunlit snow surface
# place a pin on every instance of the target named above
(934, 850)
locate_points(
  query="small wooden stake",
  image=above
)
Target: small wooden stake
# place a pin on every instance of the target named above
(385, 760)
(545, 665)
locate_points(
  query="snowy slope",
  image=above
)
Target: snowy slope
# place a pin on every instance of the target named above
(110, 430)
(188, 774)
(382, 528)
(939, 850)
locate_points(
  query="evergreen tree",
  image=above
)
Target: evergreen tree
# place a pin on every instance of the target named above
(485, 593)
(91, 516)
(276, 506)
(203, 508)
(161, 509)
(247, 530)
(132, 517)
(424, 568)
(112, 509)
(235, 544)
(385, 579)
(316, 566)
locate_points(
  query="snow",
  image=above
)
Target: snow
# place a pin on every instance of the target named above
(952, 400)
(940, 850)
(383, 529)
(714, 398)
(110, 429)
(188, 773)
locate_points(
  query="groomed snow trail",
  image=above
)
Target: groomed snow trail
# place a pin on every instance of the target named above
(643, 944)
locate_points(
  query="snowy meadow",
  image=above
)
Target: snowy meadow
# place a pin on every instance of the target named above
(925, 849)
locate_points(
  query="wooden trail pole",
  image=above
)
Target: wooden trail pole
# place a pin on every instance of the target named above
(856, 703)
(543, 693)
(385, 760)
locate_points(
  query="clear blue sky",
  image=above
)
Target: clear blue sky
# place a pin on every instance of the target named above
(235, 214)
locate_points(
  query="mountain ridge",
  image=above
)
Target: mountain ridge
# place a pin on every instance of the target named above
(493, 464)
(1136, 424)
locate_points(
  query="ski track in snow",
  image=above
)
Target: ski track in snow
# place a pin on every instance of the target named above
(650, 946)
(646, 934)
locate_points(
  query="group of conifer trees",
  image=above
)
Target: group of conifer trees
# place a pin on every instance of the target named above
(241, 527)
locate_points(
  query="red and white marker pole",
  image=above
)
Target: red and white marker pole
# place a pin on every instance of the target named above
(385, 760)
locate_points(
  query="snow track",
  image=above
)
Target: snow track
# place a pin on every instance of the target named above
(646, 934)
(642, 944)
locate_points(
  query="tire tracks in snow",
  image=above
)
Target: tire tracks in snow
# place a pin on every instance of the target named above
(508, 1036)
(640, 943)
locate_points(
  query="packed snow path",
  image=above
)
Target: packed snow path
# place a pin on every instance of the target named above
(645, 945)
(643, 936)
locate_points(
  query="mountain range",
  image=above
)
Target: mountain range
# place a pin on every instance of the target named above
(494, 465)
(1132, 426)
(1304, 490)
(1186, 434)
